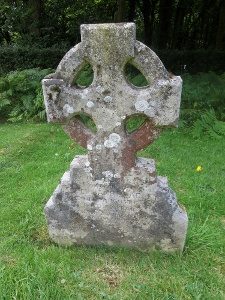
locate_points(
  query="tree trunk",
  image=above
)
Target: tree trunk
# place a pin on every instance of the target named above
(205, 28)
(5, 36)
(132, 10)
(121, 10)
(178, 25)
(220, 36)
(36, 7)
(148, 12)
(165, 15)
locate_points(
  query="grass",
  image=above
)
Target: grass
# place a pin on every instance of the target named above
(33, 157)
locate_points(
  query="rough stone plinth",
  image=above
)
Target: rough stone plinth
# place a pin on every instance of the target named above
(110, 196)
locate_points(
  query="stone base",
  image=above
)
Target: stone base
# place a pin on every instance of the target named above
(139, 211)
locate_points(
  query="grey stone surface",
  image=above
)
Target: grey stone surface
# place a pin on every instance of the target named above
(110, 196)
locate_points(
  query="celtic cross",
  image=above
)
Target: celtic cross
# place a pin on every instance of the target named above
(111, 167)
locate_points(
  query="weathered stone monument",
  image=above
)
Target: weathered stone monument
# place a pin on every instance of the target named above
(110, 196)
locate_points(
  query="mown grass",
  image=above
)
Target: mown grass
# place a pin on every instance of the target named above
(33, 158)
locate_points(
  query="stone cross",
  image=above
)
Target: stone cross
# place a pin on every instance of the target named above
(110, 196)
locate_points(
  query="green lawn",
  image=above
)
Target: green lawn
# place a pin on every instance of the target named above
(33, 157)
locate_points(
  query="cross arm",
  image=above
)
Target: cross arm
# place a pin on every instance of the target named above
(159, 101)
(61, 100)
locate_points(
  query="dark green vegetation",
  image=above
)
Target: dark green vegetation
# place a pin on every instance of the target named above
(20, 58)
(186, 34)
(33, 157)
(203, 104)
(177, 62)
(204, 91)
(21, 96)
(85, 77)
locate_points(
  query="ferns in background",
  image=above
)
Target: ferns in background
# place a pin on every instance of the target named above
(21, 95)
(203, 91)
(203, 104)
(208, 124)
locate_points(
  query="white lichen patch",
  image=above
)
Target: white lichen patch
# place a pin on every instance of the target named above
(99, 89)
(112, 141)
(162, 82)
(87, 164)
(141, 105)
(109, 144)
(90, 104)
(115, 137)
(102, 182)
(117, 175)
(89, 147)
(150, 111)
(67, 109)
(98, 147)
(108, 174)
(108, 99)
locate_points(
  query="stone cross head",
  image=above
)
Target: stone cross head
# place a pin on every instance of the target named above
(110, 99)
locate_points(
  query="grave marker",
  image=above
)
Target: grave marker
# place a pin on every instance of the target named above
(110, 196)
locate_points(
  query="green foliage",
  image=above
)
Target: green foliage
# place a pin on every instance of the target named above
(21, 95)
(47, 23)
(208, 124)
(203, 91)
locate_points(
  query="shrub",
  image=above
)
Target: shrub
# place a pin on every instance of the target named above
(20, 58)
(21, 95)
